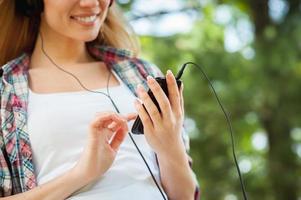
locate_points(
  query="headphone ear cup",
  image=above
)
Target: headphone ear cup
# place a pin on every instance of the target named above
(29, 8)
(39, 6)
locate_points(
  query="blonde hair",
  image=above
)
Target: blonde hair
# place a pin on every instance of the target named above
(19, 33)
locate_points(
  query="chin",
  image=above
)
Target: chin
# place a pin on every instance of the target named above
(87, 37)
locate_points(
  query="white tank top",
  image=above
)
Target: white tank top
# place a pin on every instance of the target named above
(58, 129)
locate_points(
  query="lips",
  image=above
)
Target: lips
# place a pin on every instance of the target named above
(85, 19)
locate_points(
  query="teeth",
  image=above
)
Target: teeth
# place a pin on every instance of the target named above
(86, 19)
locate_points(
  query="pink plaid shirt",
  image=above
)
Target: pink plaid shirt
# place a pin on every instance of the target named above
(17, 167)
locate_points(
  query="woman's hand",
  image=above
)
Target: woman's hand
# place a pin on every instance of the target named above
(163, 133)
(162, 130)
(107, 132)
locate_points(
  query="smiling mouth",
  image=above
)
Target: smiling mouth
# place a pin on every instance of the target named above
(85, 19)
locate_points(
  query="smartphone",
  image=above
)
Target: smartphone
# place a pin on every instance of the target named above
(138, 126)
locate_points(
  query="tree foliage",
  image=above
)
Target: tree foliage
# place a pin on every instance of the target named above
(261, 93)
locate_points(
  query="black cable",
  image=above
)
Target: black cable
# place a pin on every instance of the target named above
(113, 103)
(178, 76)
(132, 139)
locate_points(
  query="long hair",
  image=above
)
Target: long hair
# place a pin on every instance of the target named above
(18, 33)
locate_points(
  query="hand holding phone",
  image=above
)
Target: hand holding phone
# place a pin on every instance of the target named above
(138, 126)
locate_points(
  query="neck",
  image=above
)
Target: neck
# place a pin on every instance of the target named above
(62, 50)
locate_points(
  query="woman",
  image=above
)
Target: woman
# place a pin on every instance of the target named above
(54, 49)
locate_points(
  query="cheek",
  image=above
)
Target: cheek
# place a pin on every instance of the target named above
(54, 22)
(55, 15)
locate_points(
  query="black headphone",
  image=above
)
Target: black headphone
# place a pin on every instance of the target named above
(31, 8)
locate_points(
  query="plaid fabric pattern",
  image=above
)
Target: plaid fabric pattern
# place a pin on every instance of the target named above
(16, 163)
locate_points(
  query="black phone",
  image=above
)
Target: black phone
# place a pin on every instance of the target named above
(138, 126)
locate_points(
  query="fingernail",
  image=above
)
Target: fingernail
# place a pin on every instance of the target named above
(136, 103)
(150, 79)
(169, 72)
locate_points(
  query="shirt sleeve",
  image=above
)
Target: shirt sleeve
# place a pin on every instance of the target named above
(153, 70)
(5, 175)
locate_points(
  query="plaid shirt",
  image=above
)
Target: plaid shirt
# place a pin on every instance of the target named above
(17, 168)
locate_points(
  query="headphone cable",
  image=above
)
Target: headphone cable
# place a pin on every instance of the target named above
(178, 76)
(115, 107)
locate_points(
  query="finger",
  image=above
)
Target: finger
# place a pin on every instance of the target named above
(118, 138)
(131, 116)
(104, 119)
(107, 123)
(145, 119)
(173, 93)
(115, 125)
(182, 97)
(103, 113)
(112, 126)
(160, 97)
(108, 136)
(150, 107)
(122, 123)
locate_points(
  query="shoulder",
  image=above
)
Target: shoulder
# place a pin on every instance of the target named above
(13, 79)
(149, 67)
(15, 65)
(141, 67)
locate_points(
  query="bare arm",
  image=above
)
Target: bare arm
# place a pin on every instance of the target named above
(176, 175)
(57, 189)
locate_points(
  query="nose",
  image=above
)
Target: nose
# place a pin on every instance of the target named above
(89, 3)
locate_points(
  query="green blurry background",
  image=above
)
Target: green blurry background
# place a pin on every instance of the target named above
(251, 50)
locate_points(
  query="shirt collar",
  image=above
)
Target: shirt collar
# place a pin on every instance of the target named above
(104, 53)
